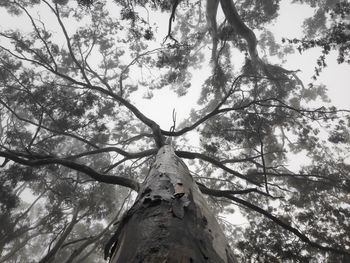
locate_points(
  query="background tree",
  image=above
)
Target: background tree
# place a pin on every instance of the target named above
(335, 36)
(73, 142)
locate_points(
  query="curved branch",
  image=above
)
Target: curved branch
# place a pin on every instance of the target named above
(153, 125)
(157, 132)
(237, 192)
(128, 155)
(304, 238)
(193, 155)
(211, 11)
(262, 102)
(104, 178)
(235, 20)
(171, 19)
(240, 27)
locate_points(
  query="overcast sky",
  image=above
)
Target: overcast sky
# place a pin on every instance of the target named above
(288, 24)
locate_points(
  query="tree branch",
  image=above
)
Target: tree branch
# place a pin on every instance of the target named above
(194, 155)
(237, 192)
(171, 19)
(214, 112)
(52, 253)
(77, 63)
(109, 179)
(128, 155)
(279, 222)
(39, 125)
(232, 16)
(38, 33)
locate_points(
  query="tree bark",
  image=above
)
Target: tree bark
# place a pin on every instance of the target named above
(169, 221)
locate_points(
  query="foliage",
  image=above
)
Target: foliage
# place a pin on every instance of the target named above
(335, 37)
(72, 140)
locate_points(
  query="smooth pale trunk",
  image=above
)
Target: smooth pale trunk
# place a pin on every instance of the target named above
(170, 220)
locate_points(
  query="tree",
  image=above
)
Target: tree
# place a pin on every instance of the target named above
(336, 36)
(103, 176)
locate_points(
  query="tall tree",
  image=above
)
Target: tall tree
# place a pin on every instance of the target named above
(86, 171)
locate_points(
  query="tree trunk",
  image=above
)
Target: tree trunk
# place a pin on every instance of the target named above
(170, 221)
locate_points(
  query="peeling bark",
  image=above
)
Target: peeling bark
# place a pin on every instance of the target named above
(169, 221)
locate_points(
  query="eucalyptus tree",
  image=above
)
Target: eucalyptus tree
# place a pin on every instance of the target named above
(77, 150)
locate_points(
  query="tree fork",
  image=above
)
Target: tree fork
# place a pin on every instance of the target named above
(169, 221)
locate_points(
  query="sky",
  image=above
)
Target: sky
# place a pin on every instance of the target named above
(335, 76)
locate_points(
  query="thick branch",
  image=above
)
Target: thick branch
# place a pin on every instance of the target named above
(157, 132)
(279, 222)
(128, 155)
(237, 192)
(109, 179)
(194, 155)
(240, 27)
(211, 11)
(262, 102)
(171, 19)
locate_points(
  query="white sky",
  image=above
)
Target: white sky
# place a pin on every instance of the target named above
(288, 24)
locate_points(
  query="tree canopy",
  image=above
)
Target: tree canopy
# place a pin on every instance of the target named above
(75, 144)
